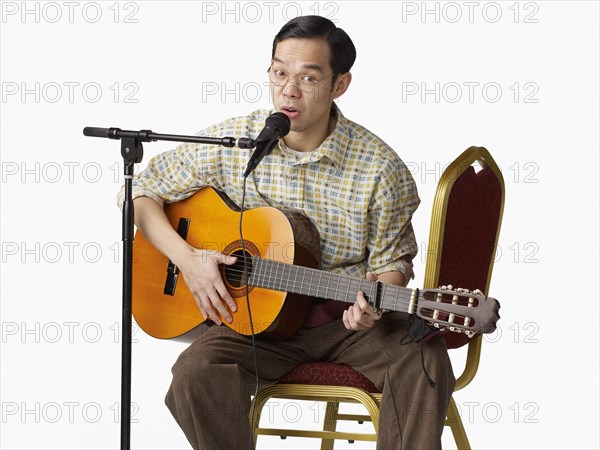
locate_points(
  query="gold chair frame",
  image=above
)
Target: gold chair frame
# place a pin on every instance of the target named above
(333, 395)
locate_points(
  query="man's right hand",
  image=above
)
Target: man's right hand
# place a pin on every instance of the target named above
(200, 270)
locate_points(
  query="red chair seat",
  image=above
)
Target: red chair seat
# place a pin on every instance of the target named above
(328, 374)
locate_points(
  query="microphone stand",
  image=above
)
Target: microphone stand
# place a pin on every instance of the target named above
(132, 152)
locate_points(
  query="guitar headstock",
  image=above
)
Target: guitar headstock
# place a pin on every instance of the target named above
(458, 310)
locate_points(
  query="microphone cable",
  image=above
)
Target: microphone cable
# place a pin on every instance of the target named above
(246, 280)
(277, 125)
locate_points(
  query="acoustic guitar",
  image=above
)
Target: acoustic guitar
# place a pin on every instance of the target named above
(281, 249)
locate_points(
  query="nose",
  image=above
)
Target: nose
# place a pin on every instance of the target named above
(292, 89)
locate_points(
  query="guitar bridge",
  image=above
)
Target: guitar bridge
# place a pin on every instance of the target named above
(172, 270)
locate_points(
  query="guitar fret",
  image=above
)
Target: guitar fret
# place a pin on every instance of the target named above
(283, 279)
(267, 276)
(279, 275)
(318, 284)
(296, 278)
(286, 280)
(254, 278)
(355, 292)
(347, 292)
(272, 276)
(309, 282)
(263, 275)
(330, 287)
(301, 280)
(257, 277)
(373, 293)
(305, 281)
(291, 284)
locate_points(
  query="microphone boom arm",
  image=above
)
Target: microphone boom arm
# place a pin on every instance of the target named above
(149, 136)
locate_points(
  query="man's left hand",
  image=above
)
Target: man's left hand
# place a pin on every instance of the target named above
(361, 315)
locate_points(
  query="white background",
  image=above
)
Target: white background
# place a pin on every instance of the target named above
(534, 104)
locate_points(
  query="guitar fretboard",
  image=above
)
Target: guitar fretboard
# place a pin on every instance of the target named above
(301, 280)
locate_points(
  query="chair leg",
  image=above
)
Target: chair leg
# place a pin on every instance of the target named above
(330, 424)
(458, 430)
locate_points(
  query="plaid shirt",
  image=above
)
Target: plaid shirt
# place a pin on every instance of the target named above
(354, 187)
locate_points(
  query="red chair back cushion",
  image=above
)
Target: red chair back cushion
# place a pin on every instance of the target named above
(470, 235)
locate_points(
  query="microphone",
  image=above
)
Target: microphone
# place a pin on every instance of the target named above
(277, 126)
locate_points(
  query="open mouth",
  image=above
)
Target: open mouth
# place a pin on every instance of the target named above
(290, 111)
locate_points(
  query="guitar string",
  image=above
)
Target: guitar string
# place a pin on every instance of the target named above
(276, 281)
(279, 274)
(403, 299)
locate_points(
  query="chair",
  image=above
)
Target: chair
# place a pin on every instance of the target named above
(466, 217)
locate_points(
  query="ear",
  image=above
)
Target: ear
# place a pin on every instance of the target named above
(341, 84)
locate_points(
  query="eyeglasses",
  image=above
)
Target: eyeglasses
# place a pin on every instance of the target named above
(306, 83)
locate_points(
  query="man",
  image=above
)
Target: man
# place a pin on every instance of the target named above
(360, 196)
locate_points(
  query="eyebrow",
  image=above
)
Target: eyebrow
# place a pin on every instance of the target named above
(309, 66)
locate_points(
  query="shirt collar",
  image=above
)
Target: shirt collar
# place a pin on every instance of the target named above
(334, 146)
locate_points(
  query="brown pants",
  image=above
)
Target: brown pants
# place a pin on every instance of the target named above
(214, 378)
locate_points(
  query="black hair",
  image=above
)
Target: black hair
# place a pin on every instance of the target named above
(342, 50)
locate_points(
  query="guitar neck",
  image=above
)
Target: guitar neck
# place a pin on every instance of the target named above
(301, 280)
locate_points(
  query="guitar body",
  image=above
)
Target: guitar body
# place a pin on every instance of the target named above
(284, 236)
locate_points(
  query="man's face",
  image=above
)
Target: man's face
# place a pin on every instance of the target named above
(308, 110)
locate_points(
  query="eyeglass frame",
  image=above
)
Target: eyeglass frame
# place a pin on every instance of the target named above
(298, 82)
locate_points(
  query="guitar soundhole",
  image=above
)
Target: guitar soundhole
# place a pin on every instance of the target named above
(235, 275)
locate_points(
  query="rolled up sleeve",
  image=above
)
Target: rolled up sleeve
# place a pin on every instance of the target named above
(391, 243)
